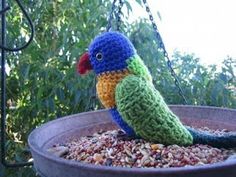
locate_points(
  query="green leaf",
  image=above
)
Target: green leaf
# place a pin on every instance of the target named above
(139, 2)
(60, 94)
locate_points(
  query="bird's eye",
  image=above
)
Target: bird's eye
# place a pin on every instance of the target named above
(99, 56)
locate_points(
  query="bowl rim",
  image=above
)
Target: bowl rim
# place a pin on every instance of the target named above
(91, 167)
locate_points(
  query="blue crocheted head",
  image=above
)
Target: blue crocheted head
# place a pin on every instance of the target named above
(109, 51)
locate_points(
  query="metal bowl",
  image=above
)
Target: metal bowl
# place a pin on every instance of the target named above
(74, 126)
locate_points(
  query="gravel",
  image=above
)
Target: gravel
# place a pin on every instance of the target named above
(109, 148)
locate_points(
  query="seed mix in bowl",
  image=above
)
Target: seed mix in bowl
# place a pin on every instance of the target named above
(110, 148)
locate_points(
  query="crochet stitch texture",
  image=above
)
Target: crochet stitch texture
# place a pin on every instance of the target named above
(106, 86)
(125, 87)
(143, 108)
(137, 67)
(134, 103)
(120, 121)
(115, 48)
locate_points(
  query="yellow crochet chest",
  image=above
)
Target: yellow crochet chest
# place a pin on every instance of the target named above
(106, 86)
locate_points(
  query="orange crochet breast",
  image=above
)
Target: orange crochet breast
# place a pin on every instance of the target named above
(106, 86)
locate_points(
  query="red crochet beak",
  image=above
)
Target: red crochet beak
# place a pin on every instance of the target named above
(83, 65)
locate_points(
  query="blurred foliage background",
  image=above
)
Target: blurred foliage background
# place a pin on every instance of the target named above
(42, 83)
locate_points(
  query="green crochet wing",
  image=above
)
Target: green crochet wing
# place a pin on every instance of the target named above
(145, 110)
(137, 67)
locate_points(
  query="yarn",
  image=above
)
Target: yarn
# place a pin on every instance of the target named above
(125, 87)
(137, 67)
(124, 83)
(106, 86)
(107, 81)
(114, 59)
(118, 119)
(144, 109)
(115, 48)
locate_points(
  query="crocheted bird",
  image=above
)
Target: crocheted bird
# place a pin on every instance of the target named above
(125, 87)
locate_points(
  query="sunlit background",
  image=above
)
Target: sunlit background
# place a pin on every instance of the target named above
(206, 28)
